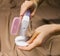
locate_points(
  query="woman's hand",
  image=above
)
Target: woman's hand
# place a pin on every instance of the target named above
(40, 35)
(25, 6)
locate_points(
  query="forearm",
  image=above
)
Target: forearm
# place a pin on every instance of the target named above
(55, 29)
(58, 27)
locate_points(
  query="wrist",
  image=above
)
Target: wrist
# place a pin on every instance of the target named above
(55, 27)
(58, 27)
(34, 3)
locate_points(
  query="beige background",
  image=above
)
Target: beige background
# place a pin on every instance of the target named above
(7, 46)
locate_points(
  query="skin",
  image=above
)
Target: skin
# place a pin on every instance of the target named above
(25, 6)
(41, 33)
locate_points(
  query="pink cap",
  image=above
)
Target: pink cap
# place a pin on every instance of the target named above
(15, 25)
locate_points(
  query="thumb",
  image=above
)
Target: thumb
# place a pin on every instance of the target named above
(33, 13)
(33, 37)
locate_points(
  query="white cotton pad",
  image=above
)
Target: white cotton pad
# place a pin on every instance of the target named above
(20, 38)
(20, 41)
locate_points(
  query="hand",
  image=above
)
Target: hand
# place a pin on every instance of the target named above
(26, 5)
(39, 36)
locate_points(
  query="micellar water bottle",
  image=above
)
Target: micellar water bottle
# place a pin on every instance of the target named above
(20, 40)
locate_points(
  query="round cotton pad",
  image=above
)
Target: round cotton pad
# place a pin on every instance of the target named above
(20, 41)
(20, 38)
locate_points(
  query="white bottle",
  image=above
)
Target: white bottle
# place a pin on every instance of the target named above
(25, 23)
(21, 40)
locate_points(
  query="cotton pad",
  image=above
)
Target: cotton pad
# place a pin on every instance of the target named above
(20, 41)
(20, 38)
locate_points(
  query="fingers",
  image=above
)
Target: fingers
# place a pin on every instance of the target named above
(37, 41)
(26, 5)
(32, 14)
(32, 45)
(21, 16)
(33, 37)
(29, 47)
(31, 42)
